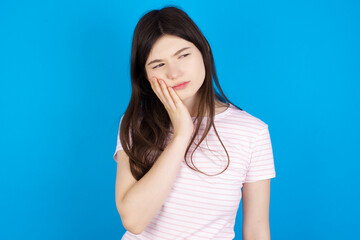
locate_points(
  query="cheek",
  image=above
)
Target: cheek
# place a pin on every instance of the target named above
(150, 73)
(195, 64)
(158, 73)
(199, 67)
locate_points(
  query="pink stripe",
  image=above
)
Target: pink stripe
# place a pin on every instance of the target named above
(205, 207)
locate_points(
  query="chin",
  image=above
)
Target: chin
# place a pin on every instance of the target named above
(186, 96)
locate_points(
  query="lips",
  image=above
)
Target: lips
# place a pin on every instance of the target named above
(181, 85)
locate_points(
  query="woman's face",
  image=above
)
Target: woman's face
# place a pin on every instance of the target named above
(176, 60)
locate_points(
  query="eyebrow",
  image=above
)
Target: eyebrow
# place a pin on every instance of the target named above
(159, 60)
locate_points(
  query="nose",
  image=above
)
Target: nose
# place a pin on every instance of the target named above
(173, 72)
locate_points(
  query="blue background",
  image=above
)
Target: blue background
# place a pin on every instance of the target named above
(64, 74)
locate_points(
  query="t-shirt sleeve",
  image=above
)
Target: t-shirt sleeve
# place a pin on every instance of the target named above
(118, 144)
(261, 160)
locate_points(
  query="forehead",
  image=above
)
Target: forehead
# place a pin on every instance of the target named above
(167, 45)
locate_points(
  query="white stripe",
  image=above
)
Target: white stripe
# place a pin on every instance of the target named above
(205, 207)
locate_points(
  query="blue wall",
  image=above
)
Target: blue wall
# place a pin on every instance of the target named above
(64, 84)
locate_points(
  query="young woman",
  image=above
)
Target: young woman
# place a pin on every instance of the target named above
(184, 151)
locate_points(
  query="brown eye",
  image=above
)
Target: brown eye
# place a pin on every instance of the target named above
(158, 65)
(184, 55)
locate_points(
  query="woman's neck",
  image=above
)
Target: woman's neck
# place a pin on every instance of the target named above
(193, 106)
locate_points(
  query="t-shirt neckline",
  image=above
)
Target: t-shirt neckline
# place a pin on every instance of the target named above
(222, 114)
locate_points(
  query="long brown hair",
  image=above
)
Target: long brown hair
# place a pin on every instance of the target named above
(145, 125)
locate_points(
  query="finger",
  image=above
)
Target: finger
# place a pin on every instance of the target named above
(167, 96)
(157, 89)
(175, 97)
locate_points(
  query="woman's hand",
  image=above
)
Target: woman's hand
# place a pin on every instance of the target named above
(178, 113)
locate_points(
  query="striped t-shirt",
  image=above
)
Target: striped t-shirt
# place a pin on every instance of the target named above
(204, 207)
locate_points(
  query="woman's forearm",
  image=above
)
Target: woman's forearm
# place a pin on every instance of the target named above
(145, 198)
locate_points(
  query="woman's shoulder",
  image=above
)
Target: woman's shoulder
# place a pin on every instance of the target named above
(243, 118)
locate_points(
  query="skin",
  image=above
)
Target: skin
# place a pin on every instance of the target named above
(188, 65)
(256, 200)
(174, 67)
